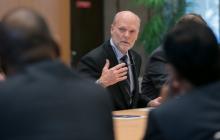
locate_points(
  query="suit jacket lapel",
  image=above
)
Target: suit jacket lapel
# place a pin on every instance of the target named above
(134, 66)
(135, 76)
(110, 54)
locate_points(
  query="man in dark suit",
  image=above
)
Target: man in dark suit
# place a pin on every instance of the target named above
(156, 73)
(193, 55)
(42, 99)
(115, 66)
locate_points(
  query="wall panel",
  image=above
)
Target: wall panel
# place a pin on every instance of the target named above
(56, 12)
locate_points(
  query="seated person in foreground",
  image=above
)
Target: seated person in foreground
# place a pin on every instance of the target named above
(193, 55)
(156, 73)
(43, 99)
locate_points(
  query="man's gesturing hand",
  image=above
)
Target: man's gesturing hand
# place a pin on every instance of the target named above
(112, 75)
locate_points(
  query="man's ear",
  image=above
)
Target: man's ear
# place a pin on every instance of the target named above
(178, 83)
(175, 79)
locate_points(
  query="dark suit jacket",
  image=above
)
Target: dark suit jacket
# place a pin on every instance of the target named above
(47, 101)
(194, 116)
(155, 74)
(91, 66)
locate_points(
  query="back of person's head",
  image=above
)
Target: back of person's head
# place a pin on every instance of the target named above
(25, 42)
(27, 20)
(192, 49)
(191, 17)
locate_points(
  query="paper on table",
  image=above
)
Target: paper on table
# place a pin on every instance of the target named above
(146, 109)
(127, 117)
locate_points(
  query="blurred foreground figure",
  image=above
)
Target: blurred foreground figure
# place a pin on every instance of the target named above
(42, 99)
(193, 55)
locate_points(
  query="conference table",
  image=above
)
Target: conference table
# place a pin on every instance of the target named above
(130, 124)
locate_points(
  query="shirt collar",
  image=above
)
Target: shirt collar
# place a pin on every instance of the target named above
(117, 52)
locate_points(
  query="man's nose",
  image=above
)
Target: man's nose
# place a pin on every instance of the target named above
(126, 34)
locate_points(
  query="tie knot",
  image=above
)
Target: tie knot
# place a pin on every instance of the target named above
(124, 58)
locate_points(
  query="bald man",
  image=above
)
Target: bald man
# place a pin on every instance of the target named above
(115, 66)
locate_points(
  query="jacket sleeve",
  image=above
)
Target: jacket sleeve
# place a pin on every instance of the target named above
(89, 68)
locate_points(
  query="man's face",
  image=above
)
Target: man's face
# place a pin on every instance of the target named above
(124, 32)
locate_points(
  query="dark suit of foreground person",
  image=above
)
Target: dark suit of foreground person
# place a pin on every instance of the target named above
(193, 54)
(106, 66)
(42, 99)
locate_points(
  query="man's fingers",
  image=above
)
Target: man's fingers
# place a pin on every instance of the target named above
(159, 99)
(121, 65)
(122, 74)
(121, 70)
(121, 78)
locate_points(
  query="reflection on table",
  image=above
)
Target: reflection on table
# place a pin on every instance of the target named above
(130, 124)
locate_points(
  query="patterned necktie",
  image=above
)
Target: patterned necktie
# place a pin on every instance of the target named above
(124, 59)
(127, 82)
